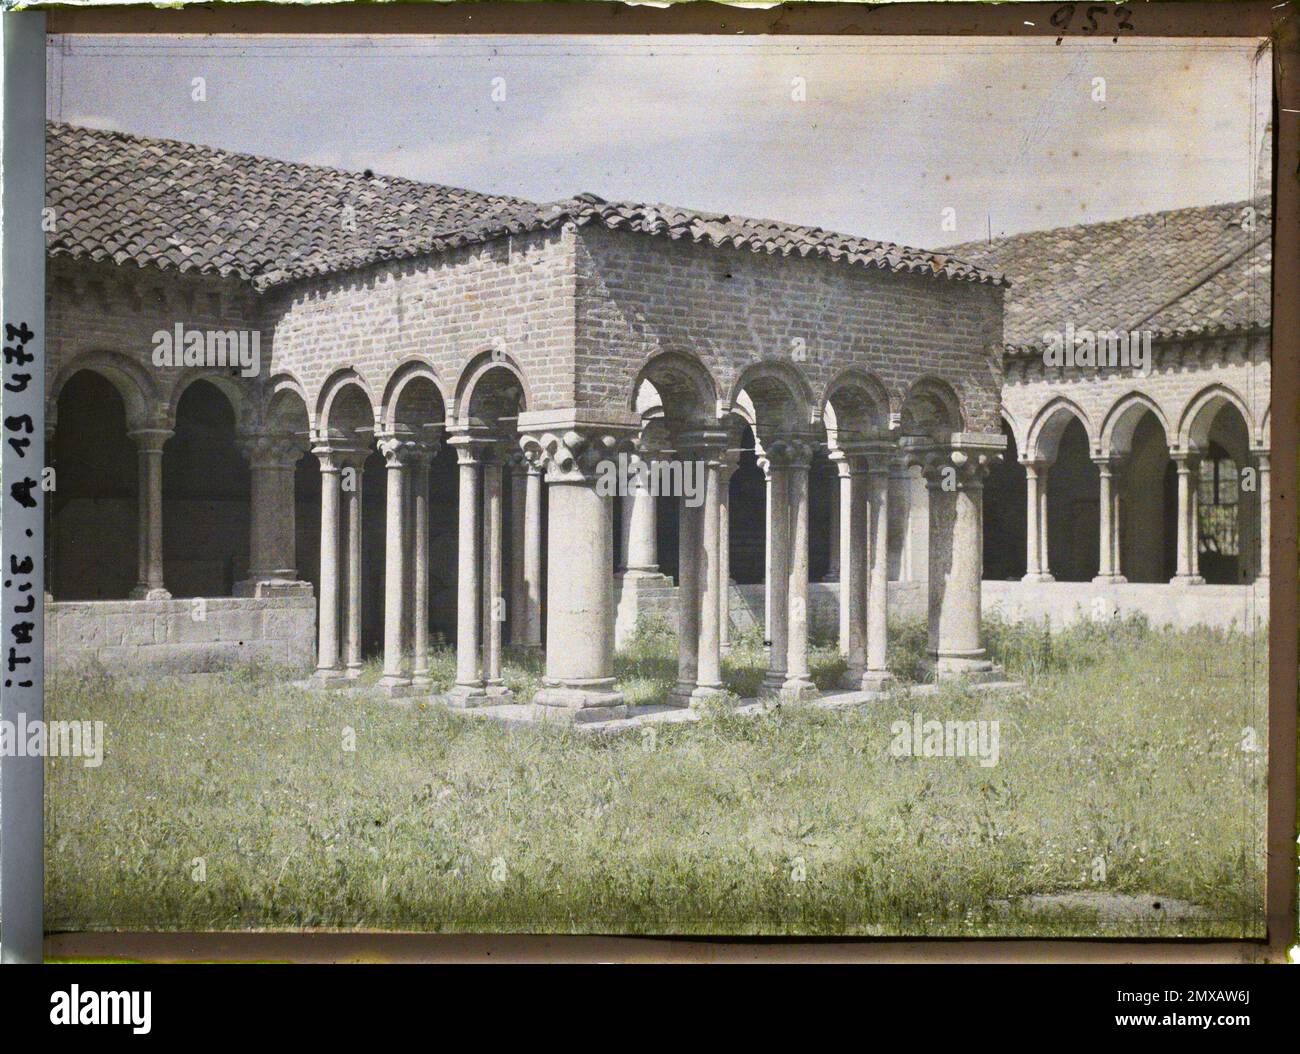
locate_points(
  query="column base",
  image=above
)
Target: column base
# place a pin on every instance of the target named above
(579, 703)
(681, 694)
(1109, 580)
(146, 593)
(352, 671)
(876, 681)
(1187, 580)
(799, 688)
(271, 587)
(1038, 577)
(705, 693)
(972, 667)
(773, 684)
(463, 697)
(395, 687)
(329, 677)
(421, 681)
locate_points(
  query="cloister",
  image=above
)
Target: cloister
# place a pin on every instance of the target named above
(417, 459)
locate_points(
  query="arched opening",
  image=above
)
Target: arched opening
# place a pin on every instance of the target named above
(748, 500)
(1073, 508)
(1005, 494)
(206, 492)
(1227, 514)
(1149, 504)
(94, 506)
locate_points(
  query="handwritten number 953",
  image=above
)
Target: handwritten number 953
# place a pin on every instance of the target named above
(1063, 17)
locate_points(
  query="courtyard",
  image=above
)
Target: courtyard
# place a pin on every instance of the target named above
(1126, 800)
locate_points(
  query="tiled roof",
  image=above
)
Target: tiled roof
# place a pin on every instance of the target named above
(158, 202)
(177, 205)
(1185, 272)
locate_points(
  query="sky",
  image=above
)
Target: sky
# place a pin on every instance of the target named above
(869, 137)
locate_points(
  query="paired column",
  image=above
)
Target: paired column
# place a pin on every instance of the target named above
(1108, 537)
(578, 684)
(149, 558)
(774, 467)
(730, 462)
(351, 476)
(517, 602)
(494, 611)
(853, 541)
(1036, 564)
(533, 556)
(708, 681)
(328, 660)
(1187, 571)
(845, 531)
(397, 451)
(798, 679)
(421, 457)
(1263, 481)
(876, 677)
(955, 479)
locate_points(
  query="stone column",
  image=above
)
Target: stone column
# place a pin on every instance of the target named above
(493, 578)
(708, 679)
(766, 466)
(1186, 464)
(838, 515)
(353, 462)
(730, 462)
(516, 601)
(420, 460)
(1108, 569)
(798, 680)
(579, 682)
(1263, 483)
(533, 557)
(1033, 560)
(778, 573)
(396, 451)
(328, 665)
(639, 543)
(468, 689)
(876, 677)
(844, 531)
(1043, 534)
(272, 569)
(854, 538)
(149, 498)
(690, 530)
(956, 483)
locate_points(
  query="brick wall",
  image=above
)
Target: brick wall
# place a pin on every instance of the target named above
(639, 296)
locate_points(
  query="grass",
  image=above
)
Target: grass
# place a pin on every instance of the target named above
(231, 801)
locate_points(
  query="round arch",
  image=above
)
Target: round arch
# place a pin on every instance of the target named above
(1199, 414)
(345, 406)
(413, 396)
(1049, 425)
(931, 408)
(1122, 419)
(139, 393)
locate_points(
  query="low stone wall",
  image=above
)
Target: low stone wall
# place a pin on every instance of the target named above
(1181, 607)
(181, 636)
(1060, 603)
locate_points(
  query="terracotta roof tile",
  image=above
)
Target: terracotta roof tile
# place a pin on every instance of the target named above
(169, 204)
(1181, 272)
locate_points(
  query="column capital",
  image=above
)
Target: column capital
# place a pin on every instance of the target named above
(574, 455)
(150, 440)
(271, 449)
(795, 452)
